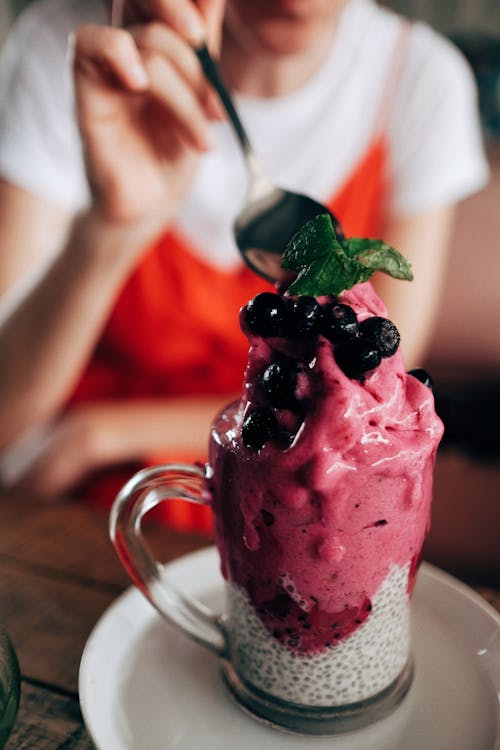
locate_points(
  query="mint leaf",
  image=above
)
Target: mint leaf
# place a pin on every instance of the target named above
(319, 259)
(328, 275)
(327, 266)
(315, 239)
(377, 255)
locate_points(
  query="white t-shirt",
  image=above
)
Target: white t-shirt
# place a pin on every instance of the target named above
(309, 141)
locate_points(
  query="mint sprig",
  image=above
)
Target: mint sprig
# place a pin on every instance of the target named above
(327, 265)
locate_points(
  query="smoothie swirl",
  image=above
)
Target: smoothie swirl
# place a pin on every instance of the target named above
(311, 524)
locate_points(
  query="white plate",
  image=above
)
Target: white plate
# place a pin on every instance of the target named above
(146, 686)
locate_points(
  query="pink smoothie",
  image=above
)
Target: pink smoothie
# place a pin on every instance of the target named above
(311, 525)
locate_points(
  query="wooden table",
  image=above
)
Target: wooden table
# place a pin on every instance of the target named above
(58, 573)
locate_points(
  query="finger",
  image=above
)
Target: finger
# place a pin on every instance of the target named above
(49, 473)
(213, 13)
(169, 89)
(160, 39)
(109, 54)
(117, 13)
(181, 15)
(54, 477)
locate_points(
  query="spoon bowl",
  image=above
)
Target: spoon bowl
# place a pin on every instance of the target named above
(271, 215)
(265, 225)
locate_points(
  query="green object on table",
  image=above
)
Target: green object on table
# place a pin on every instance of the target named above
(9, 687)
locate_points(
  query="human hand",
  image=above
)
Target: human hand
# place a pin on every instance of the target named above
(144, 109)
(51, 460)
(194, 21)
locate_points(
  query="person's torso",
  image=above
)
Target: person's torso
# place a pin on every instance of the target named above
(174, 329)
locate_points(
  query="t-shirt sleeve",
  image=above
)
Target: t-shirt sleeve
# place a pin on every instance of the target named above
(40, 149)
(437, 155)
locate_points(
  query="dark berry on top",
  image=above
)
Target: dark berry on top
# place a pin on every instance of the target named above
(279, 382)
(382, 333)
(423, 376)
(259, 426)
(265, 315)
(304, 315)
(357, 357)
(267, 517)
(339, 322)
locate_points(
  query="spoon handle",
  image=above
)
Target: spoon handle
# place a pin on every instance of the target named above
(212, 73)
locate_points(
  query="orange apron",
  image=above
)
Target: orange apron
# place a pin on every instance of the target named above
(174, 329)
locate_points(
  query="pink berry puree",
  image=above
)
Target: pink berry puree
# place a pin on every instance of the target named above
(320, 534)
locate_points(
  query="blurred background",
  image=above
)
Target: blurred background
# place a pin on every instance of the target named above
(464, 359)
(467, 338)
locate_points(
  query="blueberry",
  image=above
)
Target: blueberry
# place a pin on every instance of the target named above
(265, 315)
(381, 333)
(356, 357)
(279, 382)
(423, 376)
(259, 426)
(339, 322)
(267, 517)
(304, 315)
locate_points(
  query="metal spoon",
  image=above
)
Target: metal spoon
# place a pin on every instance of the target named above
(271, 215)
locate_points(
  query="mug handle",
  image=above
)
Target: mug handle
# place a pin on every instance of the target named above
(144, 491)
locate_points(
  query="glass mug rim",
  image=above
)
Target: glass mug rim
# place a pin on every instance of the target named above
(144, 491)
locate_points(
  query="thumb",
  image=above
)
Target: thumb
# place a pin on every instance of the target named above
(213, 13)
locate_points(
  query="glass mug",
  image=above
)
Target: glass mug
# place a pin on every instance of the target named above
(284, 659)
